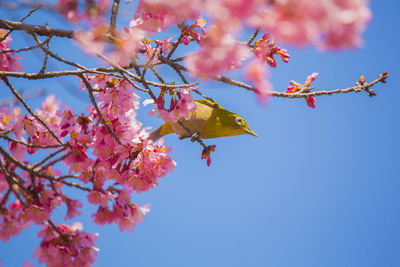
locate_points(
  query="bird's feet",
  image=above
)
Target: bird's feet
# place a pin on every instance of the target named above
(195, 137)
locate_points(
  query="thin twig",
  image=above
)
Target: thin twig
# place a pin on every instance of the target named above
(5, 198)
(47, 158)
(183, 78)
(26, 144)
(75, 185)
(63, 237)
(21, 20)
(46, 51)
(193, 135)
(148, 62)
(128, 79)
(31, 12)
(46, 56)
(21, 49)
(55, 161)
(10, 182)
(146, 85)
(252, 37)
(175, 46)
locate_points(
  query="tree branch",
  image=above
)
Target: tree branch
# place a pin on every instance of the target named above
(39, 30)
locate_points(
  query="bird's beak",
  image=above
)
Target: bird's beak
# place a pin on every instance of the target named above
(249, 131)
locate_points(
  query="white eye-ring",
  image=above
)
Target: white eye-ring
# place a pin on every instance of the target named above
(238, 120)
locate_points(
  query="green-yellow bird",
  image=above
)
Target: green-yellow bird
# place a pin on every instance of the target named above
(210, 120)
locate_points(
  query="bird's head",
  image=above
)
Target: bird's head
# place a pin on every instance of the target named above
(242, 124)
(237, 125)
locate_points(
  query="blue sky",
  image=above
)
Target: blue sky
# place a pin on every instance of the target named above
(318, 187)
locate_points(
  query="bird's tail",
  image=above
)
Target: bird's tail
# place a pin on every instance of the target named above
(160, 132)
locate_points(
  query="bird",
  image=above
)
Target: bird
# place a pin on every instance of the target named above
(209, 120)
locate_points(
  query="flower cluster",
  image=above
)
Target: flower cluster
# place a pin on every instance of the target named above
(155, 16)
(296, 87)
(127, 43)
(94, 12)
(66, 246)
(182, 104)
(265, 49)
(125, 213)
(7, 61)
(11, 222)
(206, 153)
(327, 24)
(219, 53)
(189, 33)
(122, 157)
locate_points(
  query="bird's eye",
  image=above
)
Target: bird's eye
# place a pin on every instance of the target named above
(239, 121)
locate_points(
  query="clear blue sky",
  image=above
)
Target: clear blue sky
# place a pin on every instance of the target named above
(318, 187)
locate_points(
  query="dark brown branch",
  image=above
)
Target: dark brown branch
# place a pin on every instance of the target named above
(39, 30)
(113, 18)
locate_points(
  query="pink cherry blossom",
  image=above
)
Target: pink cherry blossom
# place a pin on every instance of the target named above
(11, 221)
(69, 9)
(219, 53)
(156, 15)
(7, 61)
(98, 197)
(92, 41)
(327, 24)
(127, 45)
(180, 108)
(73, 208)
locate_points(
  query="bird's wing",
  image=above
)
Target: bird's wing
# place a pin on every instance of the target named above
(208, 103)
(164, 129)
